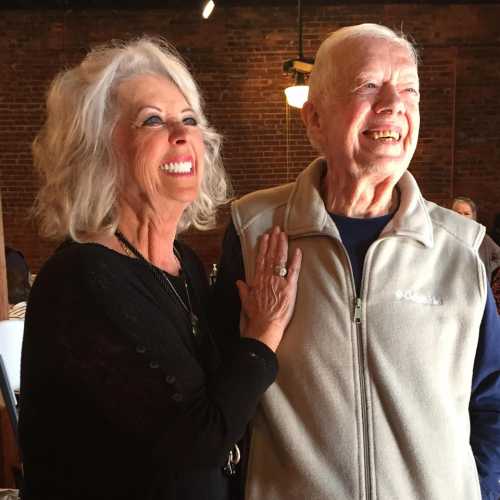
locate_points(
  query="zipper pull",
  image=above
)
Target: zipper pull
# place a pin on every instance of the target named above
(357, 310)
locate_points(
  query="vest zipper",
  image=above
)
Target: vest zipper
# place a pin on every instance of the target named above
(357, 310)
(364, 405)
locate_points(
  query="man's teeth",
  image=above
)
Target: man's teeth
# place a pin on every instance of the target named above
(384, 134)
(182, 167)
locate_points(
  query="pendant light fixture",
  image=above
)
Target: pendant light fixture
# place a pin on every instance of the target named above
(296, 94)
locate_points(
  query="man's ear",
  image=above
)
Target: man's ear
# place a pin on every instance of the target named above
(309, 114)
(311, 120)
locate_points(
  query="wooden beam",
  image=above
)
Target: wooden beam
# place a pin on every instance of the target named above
(4, 298)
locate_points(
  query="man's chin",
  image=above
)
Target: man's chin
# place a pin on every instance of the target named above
(389, 166)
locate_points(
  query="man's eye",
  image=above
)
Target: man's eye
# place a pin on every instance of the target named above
(190, 121)
(412, 90)
(153, 121)
(371, 85)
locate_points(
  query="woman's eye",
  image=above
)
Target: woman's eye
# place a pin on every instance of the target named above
(152, 121)
(190, 121)
(371, 85)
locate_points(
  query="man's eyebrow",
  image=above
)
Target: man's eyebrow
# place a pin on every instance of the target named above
(362, 75)
(373, 73)
(411, 71)
(365, 75)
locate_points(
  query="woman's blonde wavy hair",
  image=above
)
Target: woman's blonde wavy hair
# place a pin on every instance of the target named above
(73, 152)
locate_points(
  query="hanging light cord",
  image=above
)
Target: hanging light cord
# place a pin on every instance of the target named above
(299, 21)
(287, 135)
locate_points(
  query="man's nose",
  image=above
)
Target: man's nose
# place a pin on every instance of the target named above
(389, 101)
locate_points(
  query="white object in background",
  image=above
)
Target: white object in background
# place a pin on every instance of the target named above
(11, 340)
(207, 10)
(8, 494)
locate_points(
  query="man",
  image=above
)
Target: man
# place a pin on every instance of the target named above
(489, 251)
(394, 337)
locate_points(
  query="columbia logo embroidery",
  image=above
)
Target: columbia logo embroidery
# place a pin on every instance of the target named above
(418, 298)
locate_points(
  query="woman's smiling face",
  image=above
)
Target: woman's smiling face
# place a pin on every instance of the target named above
(158, 140)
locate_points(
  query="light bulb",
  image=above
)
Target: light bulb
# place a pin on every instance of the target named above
(296, 95)
(207, 10)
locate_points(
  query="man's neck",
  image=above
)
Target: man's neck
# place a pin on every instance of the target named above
(359, 197)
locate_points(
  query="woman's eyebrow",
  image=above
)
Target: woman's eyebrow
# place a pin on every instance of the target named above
(148, 106)
(151, 106)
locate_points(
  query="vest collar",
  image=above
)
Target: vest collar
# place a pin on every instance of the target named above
(305, 212)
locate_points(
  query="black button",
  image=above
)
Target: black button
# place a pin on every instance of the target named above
(177, 397)
(169, 379)
(154, 364)
(140, 349)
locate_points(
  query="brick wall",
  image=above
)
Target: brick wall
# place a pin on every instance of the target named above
(237, 56)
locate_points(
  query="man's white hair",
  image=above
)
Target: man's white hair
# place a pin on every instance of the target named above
(324, 75)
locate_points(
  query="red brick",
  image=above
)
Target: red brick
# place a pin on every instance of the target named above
(237, 57)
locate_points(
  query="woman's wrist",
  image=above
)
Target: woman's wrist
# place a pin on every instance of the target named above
(270, 333)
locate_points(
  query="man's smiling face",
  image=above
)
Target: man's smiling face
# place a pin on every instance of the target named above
(370, 119)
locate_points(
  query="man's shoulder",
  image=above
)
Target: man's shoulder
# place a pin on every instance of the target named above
(270, 205)
(254, 205)
(457, 226)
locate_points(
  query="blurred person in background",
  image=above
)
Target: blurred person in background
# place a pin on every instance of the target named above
(489, 251)
(495, 229)
(495, 286)
(18, 282)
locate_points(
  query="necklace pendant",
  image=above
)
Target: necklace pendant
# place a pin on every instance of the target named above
(194, 324)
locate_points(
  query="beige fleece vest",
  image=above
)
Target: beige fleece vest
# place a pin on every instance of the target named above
(371, 400)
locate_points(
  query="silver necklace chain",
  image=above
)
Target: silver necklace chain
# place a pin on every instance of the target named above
(163, 279)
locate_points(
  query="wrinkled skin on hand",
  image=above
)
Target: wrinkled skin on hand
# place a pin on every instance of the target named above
(269, 300)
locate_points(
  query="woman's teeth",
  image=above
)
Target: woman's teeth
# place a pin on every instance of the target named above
(182, 167)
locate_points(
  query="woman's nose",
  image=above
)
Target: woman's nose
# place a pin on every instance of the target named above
(177, 132)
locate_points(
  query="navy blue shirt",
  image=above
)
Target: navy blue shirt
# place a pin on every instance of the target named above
(357, 235)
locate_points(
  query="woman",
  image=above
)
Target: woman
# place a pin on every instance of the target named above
(123, 392)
